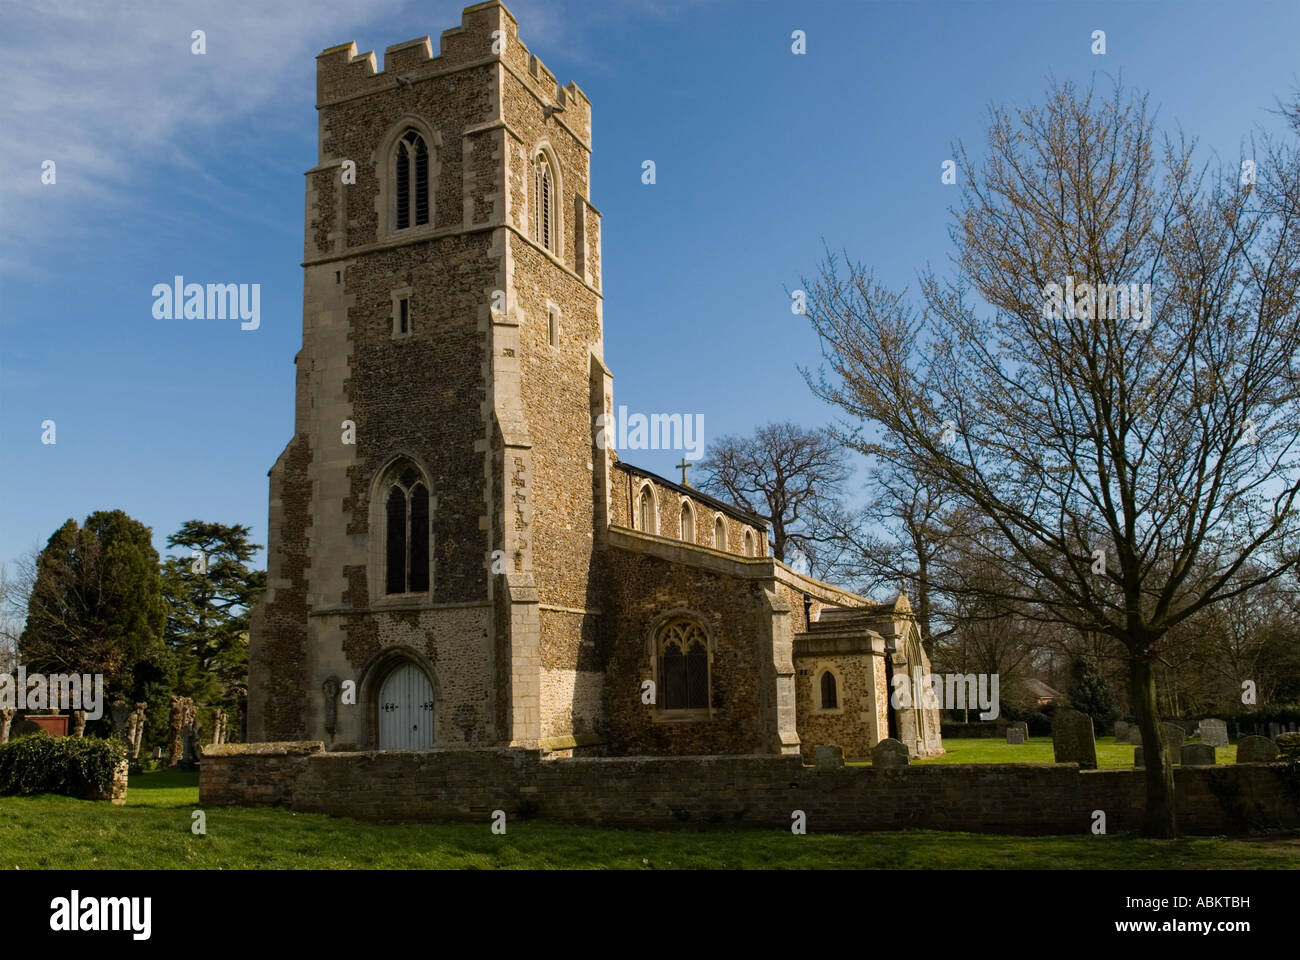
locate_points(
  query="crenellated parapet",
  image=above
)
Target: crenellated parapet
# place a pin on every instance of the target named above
(488, 32)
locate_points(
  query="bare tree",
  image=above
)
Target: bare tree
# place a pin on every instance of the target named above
(787, 474)
(1136, 455)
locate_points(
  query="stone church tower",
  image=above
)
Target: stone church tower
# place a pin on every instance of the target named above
(441, 495)
(457, 558)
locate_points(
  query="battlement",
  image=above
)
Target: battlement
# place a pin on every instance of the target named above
(342, 73)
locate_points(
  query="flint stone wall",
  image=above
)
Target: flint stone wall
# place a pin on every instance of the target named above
(757, 791)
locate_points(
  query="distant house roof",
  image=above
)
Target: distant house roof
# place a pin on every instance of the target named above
(1036, 688)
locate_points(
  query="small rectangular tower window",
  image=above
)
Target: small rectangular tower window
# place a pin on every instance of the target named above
(403, 318)
(552, 326)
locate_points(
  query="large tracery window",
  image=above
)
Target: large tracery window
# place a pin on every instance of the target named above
(406, 542)
(544, 220)
(412, 181)
(683, 651)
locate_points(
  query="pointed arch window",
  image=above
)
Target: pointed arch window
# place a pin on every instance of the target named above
(646, 510)
(411, 181)
(683, 667)
(830, 695)
(688, 522)
(406, 534)
(544, 220)
(749, 543)
(719, 533)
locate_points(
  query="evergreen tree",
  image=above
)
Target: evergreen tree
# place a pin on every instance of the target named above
(96, 607)
(211, 589)
(1091, 694)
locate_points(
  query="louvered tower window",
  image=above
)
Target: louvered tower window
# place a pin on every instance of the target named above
(412, 181)
(544, 189)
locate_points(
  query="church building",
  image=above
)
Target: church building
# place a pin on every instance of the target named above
(457, 557)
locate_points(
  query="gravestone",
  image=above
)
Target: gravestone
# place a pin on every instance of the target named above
(1256, 750)
(1072, 739)
(1197, 755)
(890, 753)
(1139, 759)
(1021, 726)
(1174, 734)
(1135, 735)
(1121, 730)
(829, 755)
(1015, 735)
(1273, 730)
(1214, 732)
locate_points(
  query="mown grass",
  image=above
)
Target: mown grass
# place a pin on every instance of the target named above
(152, 831)
(1112, 754)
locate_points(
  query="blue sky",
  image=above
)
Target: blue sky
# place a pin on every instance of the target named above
(170, 163)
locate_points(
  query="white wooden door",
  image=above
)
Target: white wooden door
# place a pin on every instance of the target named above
(406, 710)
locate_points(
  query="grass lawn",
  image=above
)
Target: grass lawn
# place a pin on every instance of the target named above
(152, 831)
(1112, 754)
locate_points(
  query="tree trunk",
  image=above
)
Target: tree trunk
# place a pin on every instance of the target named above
(1161, 819)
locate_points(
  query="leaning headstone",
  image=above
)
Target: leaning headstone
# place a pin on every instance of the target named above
(889, 753)
(1121, 730)
(1022, 726)
(1197, 755)
(1256, 750)
(1214, 732)
(1072, 739)
(829, 756)
(1015, 735)
(1175, 735)
(1135, 735)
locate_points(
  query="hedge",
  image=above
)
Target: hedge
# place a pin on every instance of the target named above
(73, 766)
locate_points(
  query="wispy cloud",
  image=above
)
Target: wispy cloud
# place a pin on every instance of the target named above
(112, 92)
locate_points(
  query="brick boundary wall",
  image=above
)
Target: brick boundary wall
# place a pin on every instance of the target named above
(755, 791)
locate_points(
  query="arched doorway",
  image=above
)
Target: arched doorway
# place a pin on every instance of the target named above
(406, 709)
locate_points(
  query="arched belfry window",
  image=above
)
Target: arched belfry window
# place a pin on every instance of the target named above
(411, 181)
(406, 533)
(544, 212)
(683, 667)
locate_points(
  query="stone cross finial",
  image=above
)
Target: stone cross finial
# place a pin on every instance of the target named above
(684, 465)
